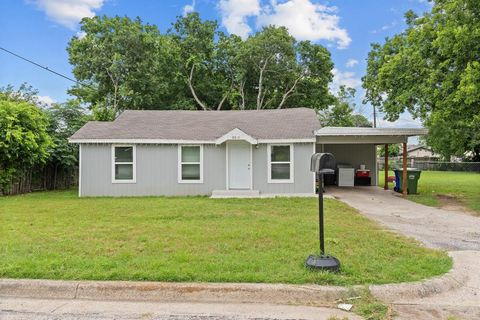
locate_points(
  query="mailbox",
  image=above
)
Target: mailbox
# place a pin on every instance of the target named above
(323, 163)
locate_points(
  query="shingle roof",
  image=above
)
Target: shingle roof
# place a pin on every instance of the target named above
(355, 131)
(296, 123)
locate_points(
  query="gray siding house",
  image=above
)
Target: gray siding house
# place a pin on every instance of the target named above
(219, 153)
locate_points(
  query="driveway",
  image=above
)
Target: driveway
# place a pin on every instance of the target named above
(436, 228)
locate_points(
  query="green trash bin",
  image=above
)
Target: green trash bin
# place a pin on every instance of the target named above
(413, 175)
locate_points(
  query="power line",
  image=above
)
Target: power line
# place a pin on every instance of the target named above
(45, 68)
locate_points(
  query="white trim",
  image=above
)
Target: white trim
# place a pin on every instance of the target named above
(179, 163)
(180, 141)
(235, 135)
(251, 167)
(80, 170)
(288, 141)
(227, 184)
(227, 166)
(291, 162)
(133, 163)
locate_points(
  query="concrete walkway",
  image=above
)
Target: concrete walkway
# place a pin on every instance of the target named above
(436, 228)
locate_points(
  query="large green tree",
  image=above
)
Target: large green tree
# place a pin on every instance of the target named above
(24, 141)
(125, 64)
(432, 70)
(342, 112)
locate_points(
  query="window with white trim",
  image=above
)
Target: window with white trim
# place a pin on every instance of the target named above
(280, 163)
(190, 169)
(123, 166)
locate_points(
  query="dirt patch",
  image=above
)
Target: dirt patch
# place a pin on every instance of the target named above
(452, 203)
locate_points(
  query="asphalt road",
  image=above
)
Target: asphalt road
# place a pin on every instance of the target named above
(69, 309)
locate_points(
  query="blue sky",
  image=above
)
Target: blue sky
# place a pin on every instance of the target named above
(40, 30)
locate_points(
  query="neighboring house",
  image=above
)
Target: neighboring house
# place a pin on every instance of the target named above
(421, 152)
(220, 153)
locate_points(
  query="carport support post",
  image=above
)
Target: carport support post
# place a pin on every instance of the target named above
(404, 171)
(385, 186)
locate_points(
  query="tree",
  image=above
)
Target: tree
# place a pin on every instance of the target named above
(24, 141)
(123, 64)
(432, 70)
(394, 150)
(341, 114)
(64, 120)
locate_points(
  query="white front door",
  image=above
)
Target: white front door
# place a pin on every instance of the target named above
(239, 166)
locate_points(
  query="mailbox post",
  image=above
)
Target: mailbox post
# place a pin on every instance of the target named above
(322, 163)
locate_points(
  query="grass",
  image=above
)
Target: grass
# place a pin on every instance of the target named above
(463, 186)
(56, 235)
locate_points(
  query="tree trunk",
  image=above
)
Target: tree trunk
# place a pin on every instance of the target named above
(192, 89)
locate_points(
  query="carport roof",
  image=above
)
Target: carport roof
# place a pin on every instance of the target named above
(367, 135)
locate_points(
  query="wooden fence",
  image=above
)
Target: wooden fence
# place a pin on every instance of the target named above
(44, 178)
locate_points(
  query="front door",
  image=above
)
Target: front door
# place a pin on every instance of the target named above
(239, 166)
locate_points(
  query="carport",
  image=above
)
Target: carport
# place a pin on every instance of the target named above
(357, 146)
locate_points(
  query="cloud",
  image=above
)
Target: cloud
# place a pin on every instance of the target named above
(46, 100)
(69, 12)
(304, 19)
(405, 121)
(189, 8)
(386, 27)
(346, 78)
(235, 13)
(351, 63)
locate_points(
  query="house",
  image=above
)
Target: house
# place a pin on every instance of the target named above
(421, 152)
(219, 153)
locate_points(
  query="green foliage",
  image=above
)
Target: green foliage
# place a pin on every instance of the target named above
(64, 120)
(129, 65)
(200, 239)
(124, 64)
(24, 140)
(432, 70)
(341, 114)
(394, 150)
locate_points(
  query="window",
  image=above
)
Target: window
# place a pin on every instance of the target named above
(190, 168)
(280, 163)
(123, 166)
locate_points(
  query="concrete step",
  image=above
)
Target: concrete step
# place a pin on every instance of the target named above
(235, 193)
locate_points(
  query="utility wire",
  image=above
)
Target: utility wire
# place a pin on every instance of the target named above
(46, 68)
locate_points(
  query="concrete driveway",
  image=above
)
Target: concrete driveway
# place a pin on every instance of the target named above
(436, 228)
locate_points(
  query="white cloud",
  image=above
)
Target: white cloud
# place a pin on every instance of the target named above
(69, 12)
(351, 63)
(346, 78)
(189, 8)
(46, 100)
(304, 19)
(235, 13)
(405, 121)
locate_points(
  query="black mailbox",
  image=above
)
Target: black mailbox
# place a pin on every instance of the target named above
(323, 163)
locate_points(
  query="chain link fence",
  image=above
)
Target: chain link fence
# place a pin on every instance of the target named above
(430, 165)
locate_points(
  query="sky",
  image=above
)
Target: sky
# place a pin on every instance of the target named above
(41, 29)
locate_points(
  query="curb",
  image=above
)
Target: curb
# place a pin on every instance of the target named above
(452, 280)
(310, 295)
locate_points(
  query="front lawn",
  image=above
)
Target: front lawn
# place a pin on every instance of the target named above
(56, 235)
(435, 186)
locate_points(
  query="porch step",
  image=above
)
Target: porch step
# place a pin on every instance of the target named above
(235, 194)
